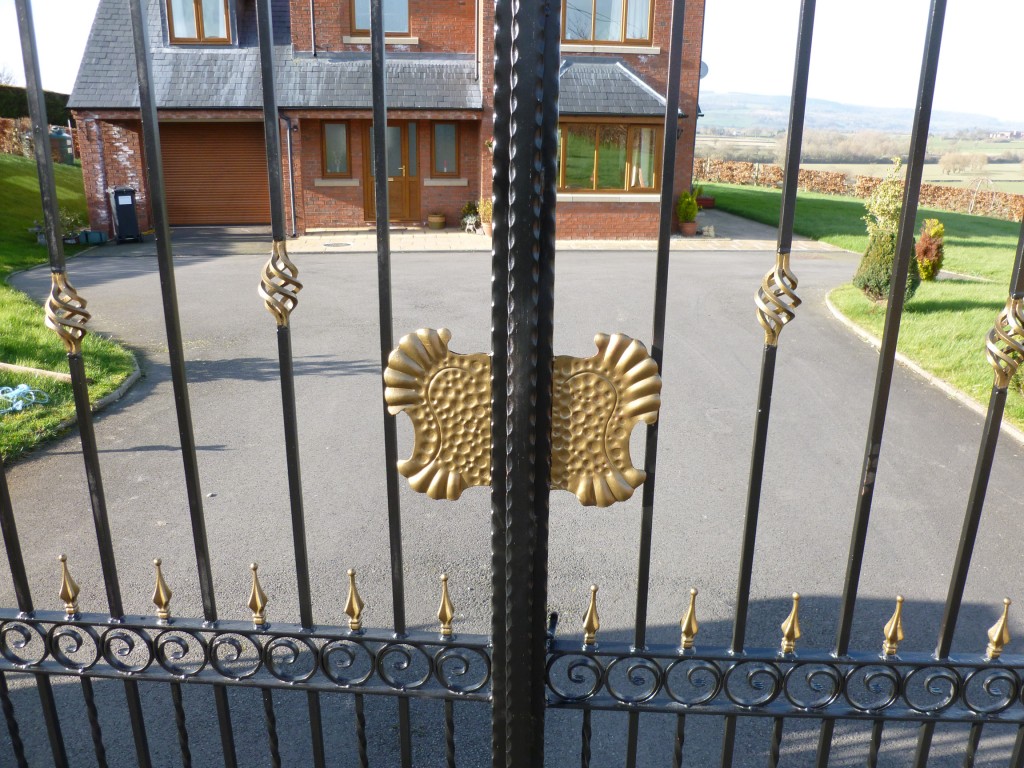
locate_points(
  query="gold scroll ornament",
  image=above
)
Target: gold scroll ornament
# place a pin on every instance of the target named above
(596, 403)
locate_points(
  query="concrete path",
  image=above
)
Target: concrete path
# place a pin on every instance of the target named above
(712, 356)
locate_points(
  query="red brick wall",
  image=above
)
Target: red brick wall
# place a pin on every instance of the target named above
(441, 25)
(328, 206)
(112, 156)
(612, 221)
(449, 200)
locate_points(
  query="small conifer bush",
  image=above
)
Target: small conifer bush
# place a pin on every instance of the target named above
(874, 275)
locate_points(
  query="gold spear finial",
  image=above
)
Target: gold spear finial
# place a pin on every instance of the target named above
(893, 630)
(161, 594)
(591, 622)
(257, 598)
(69, 589)
(354, 604)
(446, 611)
(999, 634)
(791, 626)
(688, 624)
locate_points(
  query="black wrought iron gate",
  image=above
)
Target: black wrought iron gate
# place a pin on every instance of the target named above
(523, 668)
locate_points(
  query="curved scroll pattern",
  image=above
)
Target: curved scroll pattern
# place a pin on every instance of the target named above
(597, 402)
(447, 397)
(1004, 345)
(776, 299)
(65, 313)
(279, 286)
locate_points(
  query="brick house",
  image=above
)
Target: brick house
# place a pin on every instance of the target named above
(206, 75)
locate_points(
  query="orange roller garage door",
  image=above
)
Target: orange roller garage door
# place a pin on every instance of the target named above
(215, 173)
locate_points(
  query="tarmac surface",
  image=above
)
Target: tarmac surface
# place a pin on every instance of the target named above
(713, 349)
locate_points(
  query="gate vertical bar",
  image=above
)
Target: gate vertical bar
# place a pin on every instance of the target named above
(1004, 345)
(776, 302)
(16, 563)
(387, 342)
(890, 336)
(665, 219)
(526, 74)
(67, 316)
(175, 348)
(272, 135)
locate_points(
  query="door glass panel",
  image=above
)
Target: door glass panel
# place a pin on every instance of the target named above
(183, 18)
(578, 17)
(411, 170)
(607, 19)
(611, 157)
(214, 22)
(394, 144)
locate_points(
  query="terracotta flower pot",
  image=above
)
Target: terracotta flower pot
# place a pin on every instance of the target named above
(488, 228)
(688, 228)
(436, 221)
(706, 201)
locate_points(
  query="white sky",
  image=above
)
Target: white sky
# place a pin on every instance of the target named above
(865, 52)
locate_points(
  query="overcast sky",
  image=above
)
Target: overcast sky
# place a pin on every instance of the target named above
(866, 52)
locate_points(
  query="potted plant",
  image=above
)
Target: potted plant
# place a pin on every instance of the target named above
(485, 210)
(436, 221)
(70, 224)
(470, 216)
(703, 201)
(686, 213)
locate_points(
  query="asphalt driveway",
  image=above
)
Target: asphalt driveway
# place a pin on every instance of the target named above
(712, 354)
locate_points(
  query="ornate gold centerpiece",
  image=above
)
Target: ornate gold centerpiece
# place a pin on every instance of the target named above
(597, 401)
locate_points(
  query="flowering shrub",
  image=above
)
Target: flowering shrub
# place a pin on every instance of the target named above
(930, 248)
(885, 202)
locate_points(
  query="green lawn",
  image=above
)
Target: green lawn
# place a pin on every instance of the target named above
(944, 325)
(975, 245)
(24, 339)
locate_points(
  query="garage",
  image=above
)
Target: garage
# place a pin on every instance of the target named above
(215, 173)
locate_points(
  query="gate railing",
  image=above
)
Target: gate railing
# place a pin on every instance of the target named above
(523, 667)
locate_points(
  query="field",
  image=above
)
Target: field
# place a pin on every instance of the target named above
(1002, 177)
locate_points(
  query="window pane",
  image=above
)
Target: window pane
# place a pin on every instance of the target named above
(183, 18)
(611, 157)
(362, 14)
(396, 16)
(642, 158)
(607, 19)
(577, 19)
(445, 149)
(638, 14)
(336, 148)
(214, 22)
(579, 156)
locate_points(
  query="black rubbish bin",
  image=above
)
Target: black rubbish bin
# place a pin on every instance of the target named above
(126, 220)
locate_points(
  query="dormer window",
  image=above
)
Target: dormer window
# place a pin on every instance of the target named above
(396, 17)
(198, 21)
(606, 21)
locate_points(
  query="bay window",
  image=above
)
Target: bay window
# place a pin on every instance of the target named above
(608, 157)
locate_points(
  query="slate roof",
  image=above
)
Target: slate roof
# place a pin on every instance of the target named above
(605, 86)
(228, 77)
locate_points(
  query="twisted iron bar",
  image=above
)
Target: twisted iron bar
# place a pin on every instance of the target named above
(17, 745)
(179, 721)
(95, 731)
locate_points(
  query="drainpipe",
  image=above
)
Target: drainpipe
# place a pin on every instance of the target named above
(291, 175)
(479, 34)
(312, 28)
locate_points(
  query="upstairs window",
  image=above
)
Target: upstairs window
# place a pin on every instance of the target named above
(607, 21)
(396, 17)
(198, 21)
(608, 157)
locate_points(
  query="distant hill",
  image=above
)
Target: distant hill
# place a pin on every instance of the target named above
(744, 110)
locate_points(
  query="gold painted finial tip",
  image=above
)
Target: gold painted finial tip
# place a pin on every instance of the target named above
(254, 567)
(1007, 602)
(899, 598)
(796, 596)
(444, 577)
(693, 591)
(593, 588)
(351, 571)
(156, 562)
(62, 558)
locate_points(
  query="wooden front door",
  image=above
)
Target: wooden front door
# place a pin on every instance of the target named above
(403, 174)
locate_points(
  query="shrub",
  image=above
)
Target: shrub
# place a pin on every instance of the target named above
(71, 222)
(930, 248)
(686, 207)
(470, 209)
(485, 210)
(885, 201)
(874, 275)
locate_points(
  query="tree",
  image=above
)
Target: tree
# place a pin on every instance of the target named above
(6, 76)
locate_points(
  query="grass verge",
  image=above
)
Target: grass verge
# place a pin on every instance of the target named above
(24, 340)
(975, 245)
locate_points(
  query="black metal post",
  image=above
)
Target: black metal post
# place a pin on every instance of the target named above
(175, 348)
(272, 137)
(387, 342)
(794, 143)
(526, 92)
(890, 336)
